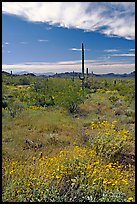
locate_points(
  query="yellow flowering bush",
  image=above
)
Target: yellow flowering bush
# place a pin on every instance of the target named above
(108, 139)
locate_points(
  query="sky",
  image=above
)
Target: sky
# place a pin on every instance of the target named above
(42, 37)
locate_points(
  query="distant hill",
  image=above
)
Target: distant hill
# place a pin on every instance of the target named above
(132, 74)
(29, 74)
(6, 73)
(22, 73)
(45, 74)
(76, 74)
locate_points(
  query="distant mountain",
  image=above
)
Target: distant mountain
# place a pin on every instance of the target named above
(21, 73)
(132, 74)
(33, 73)
(45, 74)
(70, 74)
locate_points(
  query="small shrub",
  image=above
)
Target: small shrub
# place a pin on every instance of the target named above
(24, 81)
(73, 108)
(15, 108)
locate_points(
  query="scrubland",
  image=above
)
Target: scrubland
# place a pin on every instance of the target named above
(62, 143)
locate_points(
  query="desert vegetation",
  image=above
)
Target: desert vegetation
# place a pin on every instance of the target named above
(63, 141)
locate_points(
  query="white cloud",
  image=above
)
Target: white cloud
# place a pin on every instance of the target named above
(75, 49)
(132, 49)
(6, 43)
(6, 51)
(97, 67)
(41, 40)
(110, 18)
(78, 49)
(24, 43)
(124, 55)
(112, 50)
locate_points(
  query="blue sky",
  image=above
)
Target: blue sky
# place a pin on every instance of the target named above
(46, 36)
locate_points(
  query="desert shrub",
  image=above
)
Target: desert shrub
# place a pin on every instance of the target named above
(33, 190)
(37, 86)
(54, 139)
(108, 139)
(40, 102)
(73, 108)
(115, 196)
(130, 113)
(16, 107)
(4, 104)
(44, 101)
(24, 81)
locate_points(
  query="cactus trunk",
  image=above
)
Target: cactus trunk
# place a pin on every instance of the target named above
(82, 60)
(73, 76)
(82, 77)
(86, 73)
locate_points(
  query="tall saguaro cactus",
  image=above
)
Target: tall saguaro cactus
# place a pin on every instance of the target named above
(82, 60)
(82, 77)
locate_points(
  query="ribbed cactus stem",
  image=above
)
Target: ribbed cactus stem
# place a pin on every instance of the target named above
(82, 60)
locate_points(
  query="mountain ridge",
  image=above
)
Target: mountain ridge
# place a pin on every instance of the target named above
(70, 74)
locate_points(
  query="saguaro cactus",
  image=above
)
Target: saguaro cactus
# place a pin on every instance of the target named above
(82, 60)
(87, 74)
(82, 77)
(115, 82)
(73, 76)
(92, 75)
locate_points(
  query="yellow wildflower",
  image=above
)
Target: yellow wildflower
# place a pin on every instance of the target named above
(57, 177)
(130, 199)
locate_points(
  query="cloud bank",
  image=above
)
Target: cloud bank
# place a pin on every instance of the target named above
(109, 18)
(98, 67)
